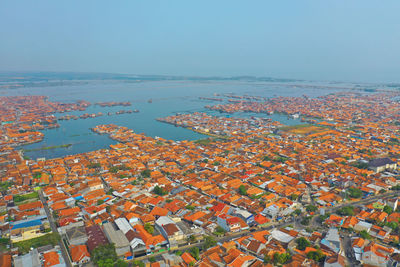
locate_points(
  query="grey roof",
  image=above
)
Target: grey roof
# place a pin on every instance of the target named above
(281, 236)
(380, 162)
(76, 232)
(28, 260)
(115, 236)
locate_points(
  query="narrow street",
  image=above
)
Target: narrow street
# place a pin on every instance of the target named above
(53, 226)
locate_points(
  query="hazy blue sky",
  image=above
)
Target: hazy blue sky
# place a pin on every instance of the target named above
(356, 40)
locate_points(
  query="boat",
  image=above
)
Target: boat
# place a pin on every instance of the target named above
(150, 101)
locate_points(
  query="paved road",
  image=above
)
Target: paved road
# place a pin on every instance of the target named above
(348, 250)
(54, 229)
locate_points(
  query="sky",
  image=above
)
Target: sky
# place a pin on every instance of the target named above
(340, 40)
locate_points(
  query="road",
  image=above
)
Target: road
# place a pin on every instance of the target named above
(53, 226)
(348, 250)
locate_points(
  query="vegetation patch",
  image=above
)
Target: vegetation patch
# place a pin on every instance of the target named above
(22, 198)
(46, 148)
(303, 129)
(48, 239)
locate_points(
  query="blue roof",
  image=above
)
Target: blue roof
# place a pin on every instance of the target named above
(26, 224)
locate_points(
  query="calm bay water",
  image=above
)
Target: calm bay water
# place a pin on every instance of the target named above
(169, 97)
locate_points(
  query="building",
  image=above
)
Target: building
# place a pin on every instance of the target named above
(30, 259)
(117, 238)
(96, 237)
(229, 223)
(76, 236)
(79, 255)
(382, 164)
(332, 240)
(170, 230)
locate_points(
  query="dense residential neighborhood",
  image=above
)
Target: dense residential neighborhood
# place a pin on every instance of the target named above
(254, 192)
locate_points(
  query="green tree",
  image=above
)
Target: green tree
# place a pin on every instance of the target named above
(209, 242)
(354, 192)
(364, 234)
(149, 228)
(137, 263)
(388, 209)
(281, 258)
(104, 254)
(393, 225)
(120, 263)
(219, 230)
(242, 190)
(302, 243)
(159, 191)
(146, 173)
(267, 259)
(297, 212)
(317, 256)
(306, 220)
(311, 208)
(346, 211)
(195, 252)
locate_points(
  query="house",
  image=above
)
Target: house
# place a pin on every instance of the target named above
(53, 259)
(271, 211)
(244, 215)
(229, 223)
(137, 244)
(76, 236)
(170, 230)
(332, 240)
(79, 255)
(382, 164)
(376, 255)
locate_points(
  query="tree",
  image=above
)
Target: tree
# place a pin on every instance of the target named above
(149, 228)
(317, 256)
(37, 175)
(159, 191)
(364, 234)
(393, 225)
(297, 212)
(100, 201)
(195, 252)
(388, 209)
(120, 263)
(354, 192)
(267, 259)
(294, 197)
(137, 263)
(281, 258)
(346, 211)
(152, 259)
(104, 254)
(209, 242)
(242, 190)
(146, 173)
(306, 220)
(219, 230)
(311, 208)
(302, 243)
